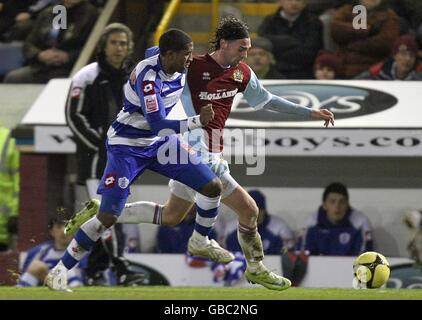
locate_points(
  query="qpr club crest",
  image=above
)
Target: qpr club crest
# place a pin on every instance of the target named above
(123, 182)
(238, 75)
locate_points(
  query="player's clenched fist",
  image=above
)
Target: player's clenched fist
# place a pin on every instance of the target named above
(207, 114)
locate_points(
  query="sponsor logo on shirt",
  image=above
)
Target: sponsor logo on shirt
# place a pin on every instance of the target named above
(203, 95)
(206, 76)
(151, 104)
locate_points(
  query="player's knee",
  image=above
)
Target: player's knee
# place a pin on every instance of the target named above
(251, 212)
(172, 219)
(213, 188)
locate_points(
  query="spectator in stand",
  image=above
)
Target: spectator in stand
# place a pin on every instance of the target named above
(9, 10)
(358, 49)
(402, 65)
(41, 258)
(336, 229)
(51, 52)
(25, 19)
(326, 66)
(261, 59)
(410, 13)
(296, 35)
(413, 220)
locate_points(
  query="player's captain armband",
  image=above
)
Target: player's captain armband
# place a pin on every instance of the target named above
(151, 104)
(148, 87)
(194, 122)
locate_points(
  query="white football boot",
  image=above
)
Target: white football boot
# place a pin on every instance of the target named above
(211, 250)
(56, 279)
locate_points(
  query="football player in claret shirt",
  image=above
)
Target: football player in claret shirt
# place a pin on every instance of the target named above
(216, 78)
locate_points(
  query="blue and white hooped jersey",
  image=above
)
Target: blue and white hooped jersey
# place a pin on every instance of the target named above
(149, 96)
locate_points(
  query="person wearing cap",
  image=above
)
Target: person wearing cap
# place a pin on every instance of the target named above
(326, 66)
(275, 233)
(401, 65)
(261, 59)
(336, 229)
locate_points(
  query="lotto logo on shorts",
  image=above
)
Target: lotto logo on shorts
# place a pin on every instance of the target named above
(148, 87)
(151, 104)
(110, 181)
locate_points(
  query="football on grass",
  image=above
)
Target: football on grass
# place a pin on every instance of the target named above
(371, 270)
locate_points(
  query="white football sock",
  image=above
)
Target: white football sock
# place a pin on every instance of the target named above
(141, 212)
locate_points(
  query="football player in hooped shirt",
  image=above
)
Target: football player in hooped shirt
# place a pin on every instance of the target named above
(139, 139)
(216, 78)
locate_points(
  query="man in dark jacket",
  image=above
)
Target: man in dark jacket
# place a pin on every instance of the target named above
(336, 229)
(51, 53)
(296, 36)
(9, 10)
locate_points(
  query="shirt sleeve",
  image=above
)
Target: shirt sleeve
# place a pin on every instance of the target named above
(256, 95)
(153, 109)
(260, 98)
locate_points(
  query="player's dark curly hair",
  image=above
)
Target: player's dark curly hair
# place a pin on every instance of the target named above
(229, 28)
(174, 40)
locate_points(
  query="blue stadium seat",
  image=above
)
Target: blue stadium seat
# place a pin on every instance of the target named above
(11, 56)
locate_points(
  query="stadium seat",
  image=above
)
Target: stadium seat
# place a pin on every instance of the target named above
(11, 56)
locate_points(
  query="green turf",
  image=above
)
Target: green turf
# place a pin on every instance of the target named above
(173, 293)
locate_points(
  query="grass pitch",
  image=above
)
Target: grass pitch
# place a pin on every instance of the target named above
(206, 293)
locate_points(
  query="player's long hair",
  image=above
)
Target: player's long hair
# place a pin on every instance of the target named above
(229, 28)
